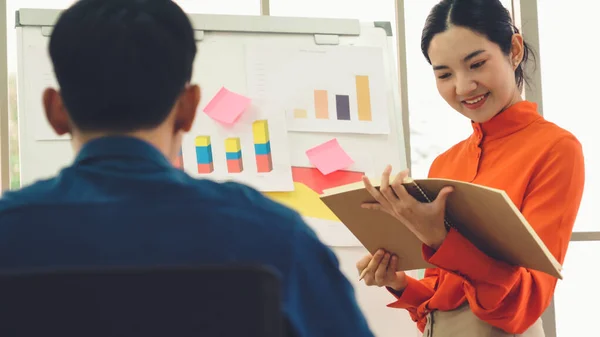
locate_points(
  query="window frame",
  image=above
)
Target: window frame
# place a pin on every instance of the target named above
(4, 111)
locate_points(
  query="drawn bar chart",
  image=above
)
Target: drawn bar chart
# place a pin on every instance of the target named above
(233, 153)
(262, 146)
(204, 155)
(351, 98)
(342, 103)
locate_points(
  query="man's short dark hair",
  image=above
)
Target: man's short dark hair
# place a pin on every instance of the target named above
(121, 64)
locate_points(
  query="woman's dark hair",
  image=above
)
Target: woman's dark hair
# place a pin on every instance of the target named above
(486, 17)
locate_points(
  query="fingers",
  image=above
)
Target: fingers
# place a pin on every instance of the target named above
(373, 206)
(363, 263)
(400, 177)
(377, 207)
(381, 271)
(385, 177)
(391, 198)
(376, 272)
(385, 187)
(441, 198)
(400, 190)
(375, 193)
(374, 263)
(366, 273)
(392, 268)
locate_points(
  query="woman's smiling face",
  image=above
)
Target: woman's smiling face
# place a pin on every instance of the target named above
(473, 75)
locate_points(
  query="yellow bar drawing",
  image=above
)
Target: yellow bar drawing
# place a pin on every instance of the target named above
(299, 113)
(233, 144)
(321, 104)
(363, 96)
(203, 141)
(260, 131)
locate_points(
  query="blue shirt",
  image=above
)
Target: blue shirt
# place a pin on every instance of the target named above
(121, 203)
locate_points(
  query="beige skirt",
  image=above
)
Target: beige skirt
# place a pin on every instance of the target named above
(461, 322)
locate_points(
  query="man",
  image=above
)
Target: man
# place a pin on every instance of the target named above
(124, 70)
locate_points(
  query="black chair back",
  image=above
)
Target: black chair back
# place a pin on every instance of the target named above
(210, 301)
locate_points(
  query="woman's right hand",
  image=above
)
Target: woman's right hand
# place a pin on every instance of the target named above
(380, 270)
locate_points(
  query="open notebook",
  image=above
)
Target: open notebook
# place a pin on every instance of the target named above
(485, 216)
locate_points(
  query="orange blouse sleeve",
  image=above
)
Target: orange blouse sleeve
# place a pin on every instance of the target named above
(509, 297)
(416, 292)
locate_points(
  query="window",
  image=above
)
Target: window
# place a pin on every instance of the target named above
(576, 297)
(569, 84)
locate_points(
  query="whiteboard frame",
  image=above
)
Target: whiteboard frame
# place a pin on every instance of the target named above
(224, 23)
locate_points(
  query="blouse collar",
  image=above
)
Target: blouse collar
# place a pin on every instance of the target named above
(516, 117)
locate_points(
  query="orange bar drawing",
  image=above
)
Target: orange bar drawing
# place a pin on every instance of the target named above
(363, 97)
(321, 104)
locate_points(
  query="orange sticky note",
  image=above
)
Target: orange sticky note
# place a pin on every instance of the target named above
(227, 106)
(329, 157)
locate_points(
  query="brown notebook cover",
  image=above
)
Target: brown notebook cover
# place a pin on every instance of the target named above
(485, 216)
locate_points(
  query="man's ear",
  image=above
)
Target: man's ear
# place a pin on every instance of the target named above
(186, 108)
(56, 113)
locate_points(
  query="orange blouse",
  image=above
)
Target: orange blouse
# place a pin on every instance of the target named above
(541, 168)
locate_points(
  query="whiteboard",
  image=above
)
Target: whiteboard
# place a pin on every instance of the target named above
(222, 42)
(220, 61)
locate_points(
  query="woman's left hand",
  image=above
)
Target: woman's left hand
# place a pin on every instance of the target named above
(425, 220)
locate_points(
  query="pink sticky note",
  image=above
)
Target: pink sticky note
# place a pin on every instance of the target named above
(226, 107)
(329, 157)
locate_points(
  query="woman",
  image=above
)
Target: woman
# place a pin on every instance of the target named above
(477, 56)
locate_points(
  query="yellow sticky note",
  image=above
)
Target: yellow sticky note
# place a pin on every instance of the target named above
(305, 201)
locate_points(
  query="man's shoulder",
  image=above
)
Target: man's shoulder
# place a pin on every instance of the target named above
(243, 198)
(40, 190)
